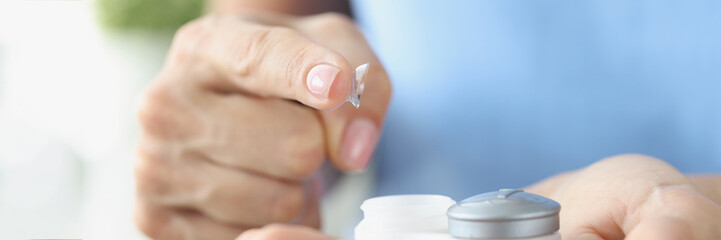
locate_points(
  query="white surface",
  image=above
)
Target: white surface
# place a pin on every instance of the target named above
(67, 94)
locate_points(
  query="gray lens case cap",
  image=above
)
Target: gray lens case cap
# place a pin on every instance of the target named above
(507, 213)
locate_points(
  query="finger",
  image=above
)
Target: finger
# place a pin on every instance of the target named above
(351, 134)
(269, 136)
(224, 194)
(267, 61)
(283, 232)
(160, 222)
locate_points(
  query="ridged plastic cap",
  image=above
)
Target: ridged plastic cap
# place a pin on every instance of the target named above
(507, 213)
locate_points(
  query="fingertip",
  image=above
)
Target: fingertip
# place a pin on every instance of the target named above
(340, 89)
(328, 84)
(358, 144)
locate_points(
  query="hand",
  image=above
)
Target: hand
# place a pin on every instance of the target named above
(232, 129)
(283, 232)
(633, 197)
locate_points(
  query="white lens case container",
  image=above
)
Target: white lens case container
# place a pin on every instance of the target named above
(504, 214)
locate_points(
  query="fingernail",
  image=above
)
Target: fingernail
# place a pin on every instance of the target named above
(359, 141)
(320, 78)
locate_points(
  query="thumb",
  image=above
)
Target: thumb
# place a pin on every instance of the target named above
(268, 61)
(353, 134)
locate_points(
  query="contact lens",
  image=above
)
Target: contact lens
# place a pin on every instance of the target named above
(357, 85)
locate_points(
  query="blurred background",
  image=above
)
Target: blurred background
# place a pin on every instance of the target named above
(70, 75)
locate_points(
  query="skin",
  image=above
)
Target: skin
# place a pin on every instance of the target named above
(232, 138)
(231, 133)
(631, 197)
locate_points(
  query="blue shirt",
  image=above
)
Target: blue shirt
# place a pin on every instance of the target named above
(501, 94)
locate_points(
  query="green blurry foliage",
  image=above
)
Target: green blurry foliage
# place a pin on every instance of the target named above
(165, 15)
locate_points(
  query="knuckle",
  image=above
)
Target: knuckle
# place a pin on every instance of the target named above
(162, 115)
(152, 223)
(245, 56)
(191, 36)
(249, 55)
(192, 28)
(288, 204)
(153, 116)
(151, 228)
(260, 40)
(148, 174)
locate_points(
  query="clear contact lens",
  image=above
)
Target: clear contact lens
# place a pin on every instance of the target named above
(357, 85)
